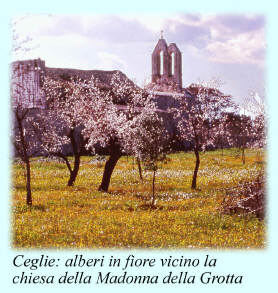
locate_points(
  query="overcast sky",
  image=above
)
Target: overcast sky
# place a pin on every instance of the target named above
(227, 46)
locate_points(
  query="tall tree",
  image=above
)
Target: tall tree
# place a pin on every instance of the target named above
(108, 117)
(24, 138)
(101, 120)
(63, 122)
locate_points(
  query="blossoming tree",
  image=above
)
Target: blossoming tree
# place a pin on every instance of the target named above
(198, 117)
(147, 139)
(120, 119)
(240, 132)
(64, 100)
(24, 138)
(255, 105)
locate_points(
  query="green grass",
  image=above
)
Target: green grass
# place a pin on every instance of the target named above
(81, 216)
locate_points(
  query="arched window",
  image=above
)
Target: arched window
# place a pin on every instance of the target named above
(161, 63)
(172, 63)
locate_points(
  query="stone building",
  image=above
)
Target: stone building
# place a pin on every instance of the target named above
(27, 80)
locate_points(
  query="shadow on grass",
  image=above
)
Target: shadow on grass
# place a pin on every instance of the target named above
(39, 207)
(21, 209)
(22, 187)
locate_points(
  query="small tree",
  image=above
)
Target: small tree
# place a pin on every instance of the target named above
(239, 129)
(24, 138)
(260, 131)
(221, 133)
(24, 118)
(255, 105)
(143, 133)
(147, 139)
(198, 115)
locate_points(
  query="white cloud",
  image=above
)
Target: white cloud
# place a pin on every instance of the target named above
(242, 48)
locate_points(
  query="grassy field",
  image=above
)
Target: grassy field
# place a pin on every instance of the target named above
(82, 217)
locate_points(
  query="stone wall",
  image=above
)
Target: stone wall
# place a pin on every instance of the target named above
(27, 80)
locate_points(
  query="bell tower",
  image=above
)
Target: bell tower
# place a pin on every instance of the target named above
(166, 64)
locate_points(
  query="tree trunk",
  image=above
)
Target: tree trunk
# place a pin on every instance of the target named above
(153, 188)
(74, 172)
(108, 169)
(197, 164)
(25, 157)
(28, 182)
(76, 154)
(133, 163)
(243, 155)
(139, 169)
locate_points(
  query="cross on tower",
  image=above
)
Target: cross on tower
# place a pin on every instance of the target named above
(161, 32)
